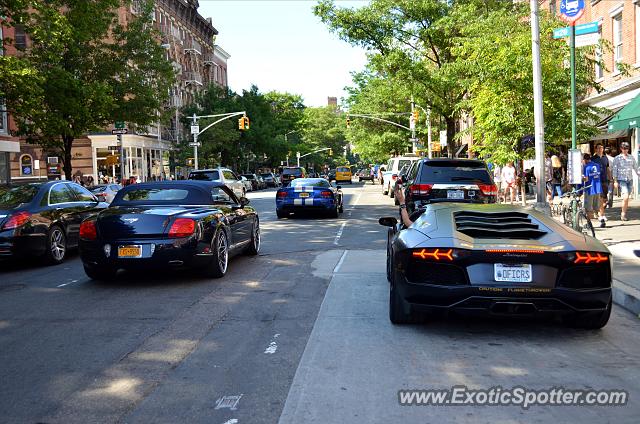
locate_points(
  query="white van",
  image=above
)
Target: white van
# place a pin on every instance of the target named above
(394, 165)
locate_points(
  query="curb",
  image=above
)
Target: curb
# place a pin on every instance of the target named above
(626, 296)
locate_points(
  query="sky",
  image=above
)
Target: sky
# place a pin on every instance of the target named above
(281, 45)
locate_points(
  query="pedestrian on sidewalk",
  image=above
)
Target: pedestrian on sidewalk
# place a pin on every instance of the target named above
(605, 177)
(497, 179)
(623, 166)
(610, 154)
(508, 178)
(593, 188)
(558, 176)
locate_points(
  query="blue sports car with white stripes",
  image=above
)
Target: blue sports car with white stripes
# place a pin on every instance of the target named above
(309, 194)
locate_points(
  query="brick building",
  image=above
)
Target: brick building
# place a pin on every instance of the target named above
(189, 40)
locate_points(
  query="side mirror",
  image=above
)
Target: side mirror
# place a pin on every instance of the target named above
(338, 187)
(388, 221)
(243, 201)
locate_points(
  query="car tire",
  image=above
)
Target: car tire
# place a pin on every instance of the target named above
(397, 314)
(56, 249)
(341, 208)
(592, 322)
(334, 213)
(254, 245)
(100, 273)
(217, 268)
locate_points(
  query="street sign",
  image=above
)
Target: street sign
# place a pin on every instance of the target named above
(571, 10)
(195, 129)
(574, 166)
(196, 144)
(119, 124)
(443, 138)
(588, 28)
(116, 131)
(412, 123)
(587, 40)
(36, 164)
(298, 155)
(414, 140)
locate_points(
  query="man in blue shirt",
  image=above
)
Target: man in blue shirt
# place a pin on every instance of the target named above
(593, 187)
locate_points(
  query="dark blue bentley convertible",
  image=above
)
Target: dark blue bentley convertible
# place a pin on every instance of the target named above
(169, 224)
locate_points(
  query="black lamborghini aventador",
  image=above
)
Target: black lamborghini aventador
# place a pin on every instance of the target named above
(496, 259)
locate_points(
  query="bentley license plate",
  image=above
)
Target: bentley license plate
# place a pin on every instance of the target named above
(455, 194)
(513, 273)
(134, 251)
(304, 194)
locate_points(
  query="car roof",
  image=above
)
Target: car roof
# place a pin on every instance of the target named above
(464, 160)
(177, 183)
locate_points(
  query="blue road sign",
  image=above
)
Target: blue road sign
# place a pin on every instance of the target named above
(588, 28)
(571, 10)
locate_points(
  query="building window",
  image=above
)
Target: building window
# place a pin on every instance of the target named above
(598, 67)
(4, 125)
(20, 39)
(26, 165)
(617, 39)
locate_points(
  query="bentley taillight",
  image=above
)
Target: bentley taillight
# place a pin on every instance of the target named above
(16, 220)
(182, 227)
(88, 230)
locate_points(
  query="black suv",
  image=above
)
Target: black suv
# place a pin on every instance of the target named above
(291, 173)
(448, 180)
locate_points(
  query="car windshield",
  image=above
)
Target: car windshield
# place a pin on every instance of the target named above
(294, 171)
(14, 197)
(306, 182)
(403, 163)
(445, 172)
(205, 176)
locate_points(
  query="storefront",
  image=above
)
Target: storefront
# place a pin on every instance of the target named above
(628, 119)
(6, 147)
(145, 158)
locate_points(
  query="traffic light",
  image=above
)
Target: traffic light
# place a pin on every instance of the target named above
(348, 122)
(330, 152)
(246, 122)
(415, 115)
(241, 123)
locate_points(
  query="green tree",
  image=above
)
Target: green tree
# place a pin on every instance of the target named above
(82, 71)
(323, 127)
(498, 62)
(412, 42)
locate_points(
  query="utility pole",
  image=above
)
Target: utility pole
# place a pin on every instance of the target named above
(429, 152)
(412, 125)
(119, 137)
(541, 198)
(572, 47)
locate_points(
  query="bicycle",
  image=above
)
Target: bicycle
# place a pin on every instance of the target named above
(575, 215)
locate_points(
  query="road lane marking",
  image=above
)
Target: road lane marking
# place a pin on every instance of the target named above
(273, 346)
(230, 402)
(231, 421)
(340, 262)
(66, 284)
(339, 233)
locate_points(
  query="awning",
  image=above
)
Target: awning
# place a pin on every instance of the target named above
(628, 117)
(610, 135)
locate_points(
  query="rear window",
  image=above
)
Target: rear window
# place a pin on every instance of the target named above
(17, 196)
(266, 176)
(403, 162)
(249, 176)
(292, 171)
(205, 176)
(343, 169)
(454, 171)
(156, 194)
(303, 182)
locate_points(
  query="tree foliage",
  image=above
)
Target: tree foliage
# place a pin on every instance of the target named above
(81, 71)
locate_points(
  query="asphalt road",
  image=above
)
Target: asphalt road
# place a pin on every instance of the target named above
(297, 334)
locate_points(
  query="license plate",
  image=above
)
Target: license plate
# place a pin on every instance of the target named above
(304, 194)
(455, 194)
(514, 273)
(134, 251)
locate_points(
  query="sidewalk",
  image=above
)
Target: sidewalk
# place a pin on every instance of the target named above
(623, 240)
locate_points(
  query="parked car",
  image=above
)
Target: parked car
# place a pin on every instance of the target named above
(496, 260)
(392, 169)
(223, 175)
(43, 219)
(291, 172)
(247, 184)
(105, 192)
(270, 179)
(253, 179)
(448, 180)
(261, 183)
(309, 194)
(169, 224)
(364, 174)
